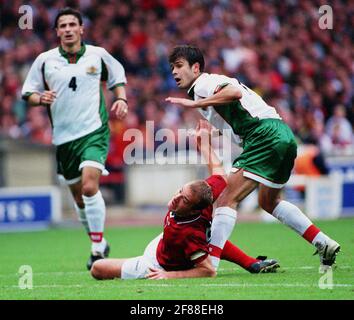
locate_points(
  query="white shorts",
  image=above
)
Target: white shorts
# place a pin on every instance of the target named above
(138, 267)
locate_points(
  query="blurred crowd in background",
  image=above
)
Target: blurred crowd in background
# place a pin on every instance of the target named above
(275, 47)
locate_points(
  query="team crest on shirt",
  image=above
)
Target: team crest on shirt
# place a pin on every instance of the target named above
(92, 70)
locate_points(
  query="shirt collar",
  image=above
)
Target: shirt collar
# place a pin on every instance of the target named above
(190, 91)
(69, 55)
(186, 219)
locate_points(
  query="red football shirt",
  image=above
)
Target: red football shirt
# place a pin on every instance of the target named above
(185, 238)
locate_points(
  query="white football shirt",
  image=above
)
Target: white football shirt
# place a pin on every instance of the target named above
(237, 116)
(79, 107)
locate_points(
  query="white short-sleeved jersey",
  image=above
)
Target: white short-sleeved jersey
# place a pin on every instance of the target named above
(79, 107)
(239, 116)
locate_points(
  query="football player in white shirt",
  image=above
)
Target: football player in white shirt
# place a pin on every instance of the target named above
(269, 150)
(67, 80)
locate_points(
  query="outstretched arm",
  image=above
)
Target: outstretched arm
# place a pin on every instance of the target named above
(227, 94)
(202, 269)
(203, 137)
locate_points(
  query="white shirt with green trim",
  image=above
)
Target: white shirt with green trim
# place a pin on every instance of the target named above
(79, 107)
(207, 85)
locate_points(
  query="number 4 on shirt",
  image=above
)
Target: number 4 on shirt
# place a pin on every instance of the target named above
(72, 83)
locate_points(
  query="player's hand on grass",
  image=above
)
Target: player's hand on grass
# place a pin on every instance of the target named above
(47, 97)
(157, 274)
(120, 109)
(183, 102)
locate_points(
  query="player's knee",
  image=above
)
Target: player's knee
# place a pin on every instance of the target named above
(89, 189)
(98, 270)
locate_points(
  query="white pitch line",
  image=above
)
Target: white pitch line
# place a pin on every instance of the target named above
(270, 285)
(66, 273)
(312, 267)
(53, 273)
(291, 268)
(165, 285)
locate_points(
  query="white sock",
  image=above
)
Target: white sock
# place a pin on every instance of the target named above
(95, 210)
(99, 246)
(82, 217)
(221, 228)
(320, 238)
(292, 216)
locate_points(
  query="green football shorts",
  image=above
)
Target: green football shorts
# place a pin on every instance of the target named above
(269, 152)
(90, 150)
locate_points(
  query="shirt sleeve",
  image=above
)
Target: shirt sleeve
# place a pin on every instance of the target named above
(197, 246)
(199, 256)
(34, 80)
(217, 184)
(116, 73)
(211, 84)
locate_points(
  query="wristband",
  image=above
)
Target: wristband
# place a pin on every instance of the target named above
(125, 100)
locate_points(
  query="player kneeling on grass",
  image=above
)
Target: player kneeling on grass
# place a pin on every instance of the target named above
(182, 250)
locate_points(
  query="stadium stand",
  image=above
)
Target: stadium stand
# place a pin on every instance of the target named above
(307, 75)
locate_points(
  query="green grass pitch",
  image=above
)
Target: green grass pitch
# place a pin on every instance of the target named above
(58, 259)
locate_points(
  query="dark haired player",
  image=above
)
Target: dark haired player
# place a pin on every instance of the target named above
(269, 150)
(67, 80)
